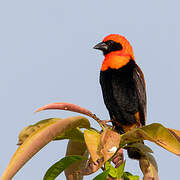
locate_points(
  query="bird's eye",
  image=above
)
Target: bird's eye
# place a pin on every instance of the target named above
(110, 43)
(114, 46)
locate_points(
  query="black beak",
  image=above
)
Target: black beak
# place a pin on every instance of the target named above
(101, 46)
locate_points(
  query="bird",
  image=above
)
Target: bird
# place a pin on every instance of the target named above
(123, 85)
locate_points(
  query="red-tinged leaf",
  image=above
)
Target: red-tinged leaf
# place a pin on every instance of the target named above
(148, 167)
(109, 143)
(101, 146)
(71, 107)
(90, 168)
(38, 139)
(67, 107)
(76, 148)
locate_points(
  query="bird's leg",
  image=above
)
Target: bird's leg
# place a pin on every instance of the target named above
(103, 125)
(104, 122)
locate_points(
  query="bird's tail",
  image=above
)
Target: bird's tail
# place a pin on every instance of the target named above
(134, 153)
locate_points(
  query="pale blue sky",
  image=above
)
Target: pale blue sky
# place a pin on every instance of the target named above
(46, 56)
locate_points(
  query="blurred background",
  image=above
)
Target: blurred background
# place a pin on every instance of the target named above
(46, 56)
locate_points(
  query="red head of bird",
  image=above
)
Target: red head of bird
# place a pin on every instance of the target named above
(117, 51)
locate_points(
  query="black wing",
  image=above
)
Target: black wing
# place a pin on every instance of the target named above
(141, 92)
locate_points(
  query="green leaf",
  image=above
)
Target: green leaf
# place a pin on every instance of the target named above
(120, 170)
(115, 172)
(112, 170)
(129, 176)
(60, 166)
(27, 131)
(74, 134)
(92, 139)
(103, 175)
(156, 133)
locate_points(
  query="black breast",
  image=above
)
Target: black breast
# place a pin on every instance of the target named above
(120, 93)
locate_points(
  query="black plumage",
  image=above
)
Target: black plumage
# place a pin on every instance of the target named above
(124, 94)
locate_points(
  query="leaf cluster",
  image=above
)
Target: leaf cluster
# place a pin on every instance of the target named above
(91, 150)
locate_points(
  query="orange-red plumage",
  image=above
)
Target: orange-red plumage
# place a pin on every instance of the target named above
(119, 58)
(115, 60)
